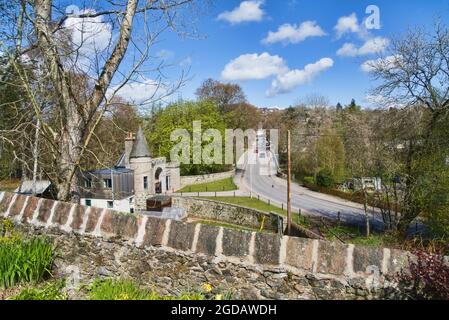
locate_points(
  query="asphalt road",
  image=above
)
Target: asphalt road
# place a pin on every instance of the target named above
(259, 178)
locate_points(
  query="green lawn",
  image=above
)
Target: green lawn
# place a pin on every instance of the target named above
(216, 186)
(250, 203)
(353, 235)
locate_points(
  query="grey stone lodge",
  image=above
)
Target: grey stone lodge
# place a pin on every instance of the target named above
(135, 178)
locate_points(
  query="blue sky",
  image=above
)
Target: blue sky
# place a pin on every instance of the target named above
(235, 30)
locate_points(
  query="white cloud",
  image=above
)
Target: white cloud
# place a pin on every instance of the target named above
(347, 24)
(165, 54)
(388, 62)
(287, 82)
(288, 33)
(140, 92)
(371, 46)
(375, 45)
(88, 35)
(254, 67)
(348, 50)
(246, 12)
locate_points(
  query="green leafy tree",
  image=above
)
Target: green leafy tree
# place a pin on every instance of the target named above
(181, 115)
(330, 154)
(325, 178)
(353, 107)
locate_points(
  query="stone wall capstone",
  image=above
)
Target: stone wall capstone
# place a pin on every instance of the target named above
(171, 256)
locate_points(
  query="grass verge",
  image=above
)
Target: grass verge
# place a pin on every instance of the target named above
(354, 236)
(216, 186)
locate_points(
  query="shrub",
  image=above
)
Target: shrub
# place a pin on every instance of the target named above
(50, 291)
(427, 278)
(24, 259)
(309, 180)
(325, 178)
(117, 289)
(6, 228)
(120, 289)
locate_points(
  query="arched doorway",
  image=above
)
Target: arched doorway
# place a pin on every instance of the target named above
(157, 181)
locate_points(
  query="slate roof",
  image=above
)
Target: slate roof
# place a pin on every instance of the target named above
(117, 170)
(140, 146)
(121, 162)
(26, 187)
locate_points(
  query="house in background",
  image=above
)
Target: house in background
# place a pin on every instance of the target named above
(135, 178)
(370, 184)
(109, 188)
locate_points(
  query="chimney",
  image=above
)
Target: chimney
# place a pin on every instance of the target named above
(129, 141)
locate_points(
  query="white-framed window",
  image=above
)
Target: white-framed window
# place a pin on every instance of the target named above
(110, 204)
(145, 183)
(131, 200)
(107, 183)
(88, 202)
(167, 183)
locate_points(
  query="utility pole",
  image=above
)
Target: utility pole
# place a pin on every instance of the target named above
(112, 186)
(365, 194)
(289, 181)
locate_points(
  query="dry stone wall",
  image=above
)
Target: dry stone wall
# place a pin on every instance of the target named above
(171, 256)
(228, 213)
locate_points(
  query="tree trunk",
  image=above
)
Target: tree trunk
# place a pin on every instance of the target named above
(71, 153)
(76, 119)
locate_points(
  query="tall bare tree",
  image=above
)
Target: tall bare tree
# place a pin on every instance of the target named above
(415, 77)
(76, 56)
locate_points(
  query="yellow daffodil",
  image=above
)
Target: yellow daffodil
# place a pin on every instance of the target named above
(207, 287)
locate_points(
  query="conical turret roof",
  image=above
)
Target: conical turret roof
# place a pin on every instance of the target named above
(140, 146)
